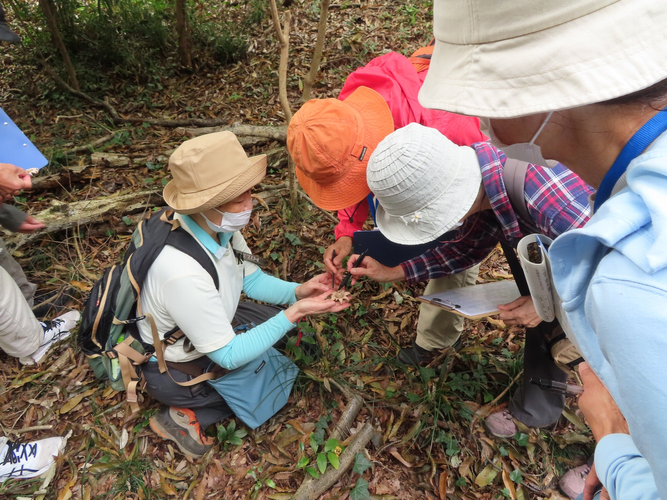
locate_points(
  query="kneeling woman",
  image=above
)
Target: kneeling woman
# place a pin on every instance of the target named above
(210, 193)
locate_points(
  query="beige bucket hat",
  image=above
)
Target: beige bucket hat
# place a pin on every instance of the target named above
(424, 184)
(210, 170)
(505, 59)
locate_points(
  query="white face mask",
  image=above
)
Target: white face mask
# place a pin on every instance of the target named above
(523, 151)
(230, 222)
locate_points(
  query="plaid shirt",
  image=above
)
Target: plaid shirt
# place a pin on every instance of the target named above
(557, 200)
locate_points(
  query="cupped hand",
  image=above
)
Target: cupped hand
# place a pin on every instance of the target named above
(520, 312)
(13, 179)
(316, 286)
(374, 270)
(314, 306)
(342, 247)
(30, 225)
(599, 408)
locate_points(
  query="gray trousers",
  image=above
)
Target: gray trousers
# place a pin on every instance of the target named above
(530, 404)
(14, 269)
(209, 407)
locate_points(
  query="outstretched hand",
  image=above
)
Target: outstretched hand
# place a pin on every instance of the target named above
(316, 286)
(374, 270)
(314, 306)
(30, 225)
(520, 312)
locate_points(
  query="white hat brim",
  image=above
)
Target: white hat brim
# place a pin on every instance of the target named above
(440, 215)
(611, 52)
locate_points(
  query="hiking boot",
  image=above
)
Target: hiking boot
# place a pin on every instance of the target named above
(572, 483)
(7, 35)
(26, 460)
(416, 355)
(501, 424)
(181, 426)
(54, 331)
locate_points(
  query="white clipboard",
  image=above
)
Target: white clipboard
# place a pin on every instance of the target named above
(477, 301)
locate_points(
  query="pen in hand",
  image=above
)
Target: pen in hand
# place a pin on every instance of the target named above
(348, 275)
(560, 387)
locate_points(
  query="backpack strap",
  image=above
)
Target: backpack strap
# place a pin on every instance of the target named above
(515, 267)
(180, 239)
(514, 177)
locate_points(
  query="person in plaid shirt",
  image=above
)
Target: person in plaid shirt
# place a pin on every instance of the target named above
(408, 165)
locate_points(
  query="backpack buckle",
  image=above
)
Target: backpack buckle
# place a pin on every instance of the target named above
(134, 320)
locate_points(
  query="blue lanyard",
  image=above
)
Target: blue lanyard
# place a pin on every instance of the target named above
(372, 205)
(637, 143)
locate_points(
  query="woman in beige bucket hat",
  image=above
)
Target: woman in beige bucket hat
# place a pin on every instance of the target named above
(585, 83)
(210, 194)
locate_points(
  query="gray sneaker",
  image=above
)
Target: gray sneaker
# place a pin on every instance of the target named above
(54, 331)
(574, 480)
(501, 424)
(180, 425)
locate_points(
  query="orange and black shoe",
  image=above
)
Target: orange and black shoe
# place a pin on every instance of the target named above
(181, 426)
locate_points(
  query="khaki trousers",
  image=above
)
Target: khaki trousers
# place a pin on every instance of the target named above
(437, 328)
(20, 332)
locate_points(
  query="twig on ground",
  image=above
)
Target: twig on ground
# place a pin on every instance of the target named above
(311, 490)
(91, 145)
(327, 214)
(33, 428)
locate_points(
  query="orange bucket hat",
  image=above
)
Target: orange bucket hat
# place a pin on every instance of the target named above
(331, 141)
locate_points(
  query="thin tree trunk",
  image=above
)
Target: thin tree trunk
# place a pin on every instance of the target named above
(282, 33)
(183, 31)
(58, 41)
(317, 53)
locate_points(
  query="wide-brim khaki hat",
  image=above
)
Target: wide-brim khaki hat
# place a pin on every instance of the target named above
(424, 184)
(505, 59)
(211, 170)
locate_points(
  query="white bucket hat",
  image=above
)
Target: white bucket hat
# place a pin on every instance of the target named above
(505, 59)
(424, 183)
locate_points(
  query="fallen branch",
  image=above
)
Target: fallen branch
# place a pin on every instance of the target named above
(61, 216)
(90, 146)
(311, 490)
(258, 131)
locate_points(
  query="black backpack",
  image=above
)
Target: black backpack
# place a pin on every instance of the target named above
(108, 334)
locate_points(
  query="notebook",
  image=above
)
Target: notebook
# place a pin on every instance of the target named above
(477, 301)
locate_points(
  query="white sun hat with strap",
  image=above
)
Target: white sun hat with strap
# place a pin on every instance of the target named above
(424, 184)
(505, 59)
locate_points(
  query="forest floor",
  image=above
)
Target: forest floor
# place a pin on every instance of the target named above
(433, 443)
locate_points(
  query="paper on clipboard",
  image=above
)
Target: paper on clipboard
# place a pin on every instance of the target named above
(477, 301)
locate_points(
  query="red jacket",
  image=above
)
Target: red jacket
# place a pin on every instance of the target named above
(394, 77)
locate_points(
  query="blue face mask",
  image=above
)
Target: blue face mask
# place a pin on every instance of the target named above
(523, 151)
(230, 222)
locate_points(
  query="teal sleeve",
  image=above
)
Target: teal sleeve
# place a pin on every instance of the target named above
(260, 286)
(622, 469)
(246, 346)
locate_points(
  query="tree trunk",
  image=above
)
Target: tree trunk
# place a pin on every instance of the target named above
(317, 53)
(183, 31)
(58, 41)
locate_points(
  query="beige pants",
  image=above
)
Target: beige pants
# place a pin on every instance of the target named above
(20, 332)
(438, 328)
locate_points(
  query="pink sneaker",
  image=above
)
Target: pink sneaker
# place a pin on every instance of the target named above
(501, 424)
(572, 483)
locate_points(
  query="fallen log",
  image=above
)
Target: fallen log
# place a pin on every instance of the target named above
(60, 216)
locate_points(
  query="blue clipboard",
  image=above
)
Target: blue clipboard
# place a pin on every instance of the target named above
(391, 254)
(16, 148)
